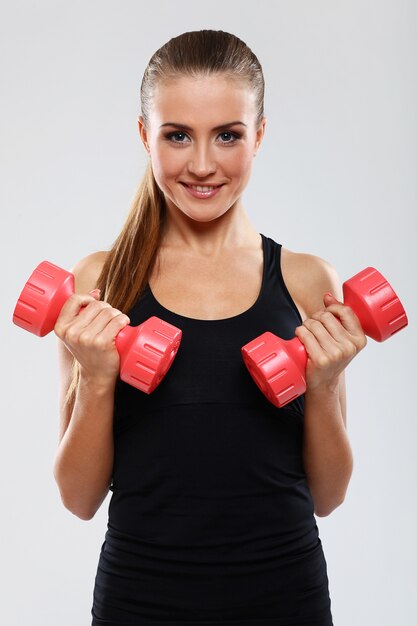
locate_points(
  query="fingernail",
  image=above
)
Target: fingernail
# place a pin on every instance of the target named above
(328, 293)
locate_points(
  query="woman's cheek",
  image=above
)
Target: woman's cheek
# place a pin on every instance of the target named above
(240, 161)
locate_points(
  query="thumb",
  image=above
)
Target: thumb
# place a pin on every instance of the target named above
(95, 293)
(329, 298)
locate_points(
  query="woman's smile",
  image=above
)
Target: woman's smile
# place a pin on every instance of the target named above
(202, 192)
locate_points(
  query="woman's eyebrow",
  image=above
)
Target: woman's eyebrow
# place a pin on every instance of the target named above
(185, 127)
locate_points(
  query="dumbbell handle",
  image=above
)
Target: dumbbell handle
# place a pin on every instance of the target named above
(278, 366)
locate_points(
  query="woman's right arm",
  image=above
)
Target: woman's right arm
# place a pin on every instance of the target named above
(83, 462)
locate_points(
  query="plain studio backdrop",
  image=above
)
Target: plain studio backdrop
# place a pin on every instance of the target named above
(335, 177)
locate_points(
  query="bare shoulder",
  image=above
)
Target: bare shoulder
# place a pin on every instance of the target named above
(307, 278)
(87, 271)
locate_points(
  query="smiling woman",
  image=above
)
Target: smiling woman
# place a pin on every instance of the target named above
(214, 490)
(197, 154)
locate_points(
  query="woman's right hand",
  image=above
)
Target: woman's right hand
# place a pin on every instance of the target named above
(89, 334)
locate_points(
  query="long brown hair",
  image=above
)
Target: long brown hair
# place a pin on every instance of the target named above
(130, 260)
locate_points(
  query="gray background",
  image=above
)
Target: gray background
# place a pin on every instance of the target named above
(335, 177)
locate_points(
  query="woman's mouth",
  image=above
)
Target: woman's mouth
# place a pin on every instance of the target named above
(202, 191)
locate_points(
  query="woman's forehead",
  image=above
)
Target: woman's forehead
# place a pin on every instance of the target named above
(187, 97)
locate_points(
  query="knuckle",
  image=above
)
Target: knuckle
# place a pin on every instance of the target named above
(59, 329)
(100, 342)
(85, 338)
(107, 311)
(351, 350)
(338, 353)
(363, 342)
(316, 323)
(71, 335)
(114, 311)
(100, 305)
(322, 361)
(115, 318)
(327, 315)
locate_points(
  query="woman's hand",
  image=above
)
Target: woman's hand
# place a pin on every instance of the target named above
(89, 334)
(332, 337)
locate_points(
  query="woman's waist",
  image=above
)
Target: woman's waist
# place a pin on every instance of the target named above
(211, 541)
(214, 511)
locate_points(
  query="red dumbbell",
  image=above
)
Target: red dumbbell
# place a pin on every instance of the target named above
(146, 351)
(278, 366)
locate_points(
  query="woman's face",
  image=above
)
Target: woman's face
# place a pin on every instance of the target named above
(192, 141)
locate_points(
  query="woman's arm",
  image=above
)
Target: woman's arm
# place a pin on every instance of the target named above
(84, 459)
(328, 459)
(332, 337)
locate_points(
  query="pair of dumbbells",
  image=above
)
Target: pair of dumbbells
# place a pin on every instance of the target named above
(147, 351)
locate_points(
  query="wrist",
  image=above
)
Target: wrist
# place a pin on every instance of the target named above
(327, 389)
(96, 384)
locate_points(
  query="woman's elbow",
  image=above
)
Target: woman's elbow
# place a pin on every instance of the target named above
(78, 510)
(72, 502)
(326, 510)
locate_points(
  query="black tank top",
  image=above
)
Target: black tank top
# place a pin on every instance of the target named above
(211, 520)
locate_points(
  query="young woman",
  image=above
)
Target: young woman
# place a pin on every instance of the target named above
(214, 489)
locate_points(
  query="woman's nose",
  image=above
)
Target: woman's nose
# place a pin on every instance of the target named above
(202, 162)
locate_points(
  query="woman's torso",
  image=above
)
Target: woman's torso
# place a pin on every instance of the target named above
(211, 517)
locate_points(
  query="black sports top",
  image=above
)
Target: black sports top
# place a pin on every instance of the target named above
(211, 521)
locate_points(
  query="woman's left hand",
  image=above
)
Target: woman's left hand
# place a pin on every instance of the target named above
(332, 337)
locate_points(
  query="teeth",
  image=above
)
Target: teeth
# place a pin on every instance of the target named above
(200, 188)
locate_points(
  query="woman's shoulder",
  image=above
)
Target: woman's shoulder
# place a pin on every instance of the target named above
(307, 278)
(87, 271)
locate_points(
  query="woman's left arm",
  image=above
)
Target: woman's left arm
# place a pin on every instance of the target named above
(332, 337)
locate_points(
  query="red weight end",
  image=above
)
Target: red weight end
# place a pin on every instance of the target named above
(147, 352)
(277, 366)
(376, 304)
(42, 298)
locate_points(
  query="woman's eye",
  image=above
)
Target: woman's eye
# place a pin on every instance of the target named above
(233, 136)
(177, 134)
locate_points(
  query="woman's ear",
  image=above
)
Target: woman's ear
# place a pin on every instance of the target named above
(143, 134)
(259, 135)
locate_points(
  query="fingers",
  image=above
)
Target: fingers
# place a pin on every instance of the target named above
(73, 305)
(349, 321)
(325, 340)
(83, 314)
(103, 327)
(326, 321)
(333, 335)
